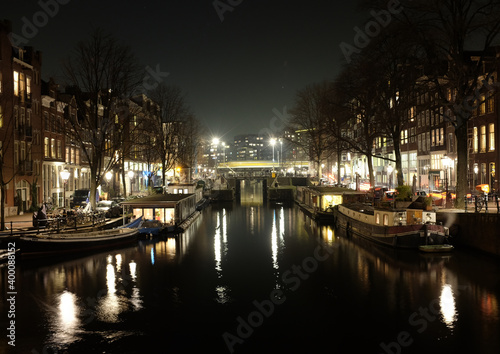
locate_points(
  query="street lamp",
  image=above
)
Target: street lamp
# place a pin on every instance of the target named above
(273, 142)
(130, 177)
(476, 170)
(446, 164)
(389, 171)
(65, 177)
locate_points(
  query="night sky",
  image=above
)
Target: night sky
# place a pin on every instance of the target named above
(238, 72)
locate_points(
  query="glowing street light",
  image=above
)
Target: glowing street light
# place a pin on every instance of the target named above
(273, 142)
(65, 177)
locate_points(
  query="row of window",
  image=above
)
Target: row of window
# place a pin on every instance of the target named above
(52, 148)
(483, 138)
(22, 84)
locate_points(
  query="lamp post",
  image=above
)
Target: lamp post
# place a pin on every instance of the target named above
(273, 142)
(130, 177)
(476, 170)
(446, 164)
(65, 177)
(389, 171)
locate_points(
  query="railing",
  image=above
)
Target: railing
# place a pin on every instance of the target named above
(480, 202)
(57, 224)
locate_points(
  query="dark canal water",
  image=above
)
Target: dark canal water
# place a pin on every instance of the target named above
(255, 278)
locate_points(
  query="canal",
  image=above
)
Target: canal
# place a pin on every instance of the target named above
(255, 278)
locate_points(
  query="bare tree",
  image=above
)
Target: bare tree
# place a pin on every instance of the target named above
(169, 124)
(455, 39)
(354, 104)
(310, 120)
(101, 74)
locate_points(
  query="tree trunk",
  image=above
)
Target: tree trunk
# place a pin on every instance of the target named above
(397, 157)
(369, 160)
(461, 189)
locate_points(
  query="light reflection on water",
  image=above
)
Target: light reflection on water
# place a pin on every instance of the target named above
(66, 323)
(169, 275)
(447, 304)
(220, 250)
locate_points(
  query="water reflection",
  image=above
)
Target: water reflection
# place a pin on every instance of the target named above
(220, 251)
(109, 305)
(277, 235)
(447, 304)
(66, 324)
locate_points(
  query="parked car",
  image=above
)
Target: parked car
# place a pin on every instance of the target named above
(110, 208)
(80, 198)
(421, 194)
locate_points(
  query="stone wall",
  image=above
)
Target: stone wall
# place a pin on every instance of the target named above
(479, 231)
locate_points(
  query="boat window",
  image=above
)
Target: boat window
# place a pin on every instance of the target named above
(386, 219)
(377, 218)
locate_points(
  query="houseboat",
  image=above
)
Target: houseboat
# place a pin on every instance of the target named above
(399, 228)
(319, 201)
(162, 213)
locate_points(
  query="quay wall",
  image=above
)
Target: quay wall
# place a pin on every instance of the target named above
(479, 231)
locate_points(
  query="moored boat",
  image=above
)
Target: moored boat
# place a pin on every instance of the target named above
(399, 228)
(65, 243)
(436, 248)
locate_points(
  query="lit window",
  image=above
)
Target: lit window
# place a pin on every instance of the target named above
(476, 140)
(483, 139)
(16, 83)
(491, 129)
(46, 147)
(53, 148)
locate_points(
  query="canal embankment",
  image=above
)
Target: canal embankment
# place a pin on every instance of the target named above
(478, 231)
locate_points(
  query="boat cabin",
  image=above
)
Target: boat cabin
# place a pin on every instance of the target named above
(169, 209)
(323, 198)
(388, 217)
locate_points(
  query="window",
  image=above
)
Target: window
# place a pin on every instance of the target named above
(475, 140)
(46, 147)
(483, 173)
(59, 149)
(46, 120)
(16, 117)
(16, 83)
(483, 139)
(22, 117)
(1, 117)
(53, 148)
(386, 219)
(433, 138)
(23, 150)
(490, 104)
(441, 136)
(491, 130)
(28, 87)
(377, 218)
(16, 153)
(482, 105)
(22, 88)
